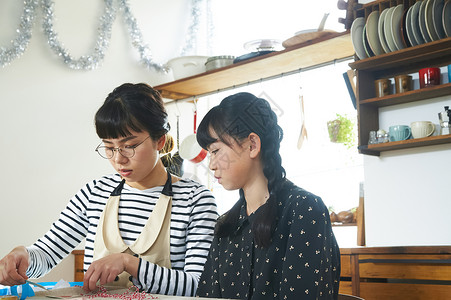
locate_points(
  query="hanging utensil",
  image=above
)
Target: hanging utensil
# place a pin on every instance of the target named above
(177, 160)
(303, 133)
(190, 149)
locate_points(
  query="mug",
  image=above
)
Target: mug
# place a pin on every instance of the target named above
(399, 132)
(421, 129)
(429, 77)
(449, 73)
(403, 83)
(382, 87)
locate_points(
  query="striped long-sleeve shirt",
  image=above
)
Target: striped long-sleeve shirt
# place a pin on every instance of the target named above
(193, 218)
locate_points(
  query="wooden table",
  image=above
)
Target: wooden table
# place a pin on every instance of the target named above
(65, 293)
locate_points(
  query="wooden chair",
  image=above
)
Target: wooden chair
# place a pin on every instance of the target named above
(348, 297)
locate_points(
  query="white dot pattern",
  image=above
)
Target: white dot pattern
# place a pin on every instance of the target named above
(302, 262)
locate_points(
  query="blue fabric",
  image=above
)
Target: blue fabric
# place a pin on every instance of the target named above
(27, 291)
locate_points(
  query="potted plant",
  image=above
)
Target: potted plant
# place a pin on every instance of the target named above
(341, 130)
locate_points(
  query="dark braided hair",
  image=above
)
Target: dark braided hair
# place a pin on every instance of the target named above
(236, 117)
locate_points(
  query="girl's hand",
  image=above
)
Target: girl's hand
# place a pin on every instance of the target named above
(106, 269)
(13, 267)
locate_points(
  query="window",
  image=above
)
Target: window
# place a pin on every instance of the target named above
(329, 170)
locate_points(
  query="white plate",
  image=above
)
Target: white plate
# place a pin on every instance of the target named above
(396, 26)
(409, 28)
(429, 21)
(447, 17)
(437, 17)
(366, 45)
(372, 33)
(387, 30)
(422, 21)
(415, 23)
(357, 37)
(380, 31)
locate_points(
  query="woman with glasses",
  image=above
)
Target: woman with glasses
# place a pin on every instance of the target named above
(143, 226)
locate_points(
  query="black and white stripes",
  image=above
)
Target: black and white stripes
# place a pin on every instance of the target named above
(193, 219)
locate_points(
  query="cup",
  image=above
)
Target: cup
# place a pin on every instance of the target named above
(421, 129)
(449, 73)
(382, 87)
(399, 132)
(403, 83)
(372, 139)
(429, 77)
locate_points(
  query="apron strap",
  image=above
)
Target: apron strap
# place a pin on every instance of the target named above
(117, 191)
(167, 189)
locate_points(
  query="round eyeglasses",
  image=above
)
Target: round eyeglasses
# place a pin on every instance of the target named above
(108, 152)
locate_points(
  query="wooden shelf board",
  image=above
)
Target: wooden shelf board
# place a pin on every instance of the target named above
(340, 224)
(433, 53)
(398, 250)
(427, 141)
(410, 96)
(309, 54)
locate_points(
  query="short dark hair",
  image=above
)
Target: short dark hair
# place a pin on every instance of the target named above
(136, 107)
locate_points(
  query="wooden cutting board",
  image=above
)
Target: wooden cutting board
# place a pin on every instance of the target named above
(307, 36)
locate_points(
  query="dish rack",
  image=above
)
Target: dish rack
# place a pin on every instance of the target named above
(382, 6)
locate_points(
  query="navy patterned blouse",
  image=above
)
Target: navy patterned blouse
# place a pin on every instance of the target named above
(302, 261)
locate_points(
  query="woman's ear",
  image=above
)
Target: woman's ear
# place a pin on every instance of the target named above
(161, 142)
(255, 145)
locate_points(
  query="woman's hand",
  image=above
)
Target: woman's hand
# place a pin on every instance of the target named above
(106, 269)
(13, 267)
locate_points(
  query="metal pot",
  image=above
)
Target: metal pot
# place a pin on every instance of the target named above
(216, 62)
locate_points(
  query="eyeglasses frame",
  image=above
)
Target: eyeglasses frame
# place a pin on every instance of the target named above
(119, 149)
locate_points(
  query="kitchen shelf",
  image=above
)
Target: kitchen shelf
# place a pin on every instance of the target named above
(434, 54)
(339, 224)
(329, 48)
(410, 96)
(412, 143)
(405, 61)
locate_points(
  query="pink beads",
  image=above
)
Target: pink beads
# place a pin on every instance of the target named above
(131, 294)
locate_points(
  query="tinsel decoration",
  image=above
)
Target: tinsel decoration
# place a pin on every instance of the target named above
(137, 40)
(85, 62)
(92, 61)
(20, 43)
(190, 39)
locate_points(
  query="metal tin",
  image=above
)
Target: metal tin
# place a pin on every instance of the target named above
(216, 62)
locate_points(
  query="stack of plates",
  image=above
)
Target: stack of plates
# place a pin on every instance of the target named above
(396, 28)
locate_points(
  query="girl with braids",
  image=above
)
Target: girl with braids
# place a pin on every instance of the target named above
(143, 226)
(276, 242)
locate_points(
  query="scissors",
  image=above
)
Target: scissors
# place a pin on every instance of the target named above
(36, 284)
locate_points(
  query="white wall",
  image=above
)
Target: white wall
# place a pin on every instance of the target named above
(48, 138)
(407, 192)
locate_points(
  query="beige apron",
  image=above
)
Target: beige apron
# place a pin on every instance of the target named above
(153, 243)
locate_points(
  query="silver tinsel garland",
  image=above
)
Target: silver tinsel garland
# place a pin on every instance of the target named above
(20, 43)
(190, 39)
(137, 40)
(85, 62)
(91, 61)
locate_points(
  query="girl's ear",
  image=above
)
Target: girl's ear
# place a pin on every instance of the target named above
(255, 145)
(161, 142)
